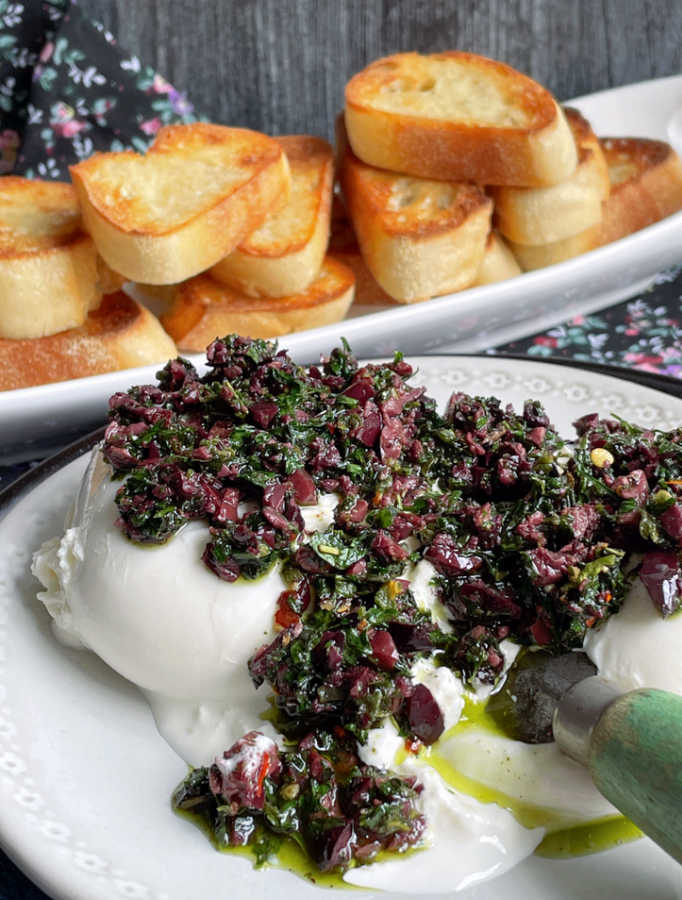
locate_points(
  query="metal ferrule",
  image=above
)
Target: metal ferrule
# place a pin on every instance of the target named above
(577, 714)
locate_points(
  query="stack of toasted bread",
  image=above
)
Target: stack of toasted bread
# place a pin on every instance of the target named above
(454, 170)
(279, 278)
(231, 227)
(457, 171)
(635, 183)
(61, 313)
(236, 223)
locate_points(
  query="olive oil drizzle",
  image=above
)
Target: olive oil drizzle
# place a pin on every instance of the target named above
(559, 842)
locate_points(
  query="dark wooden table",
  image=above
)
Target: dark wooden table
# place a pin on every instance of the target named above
(280, 66)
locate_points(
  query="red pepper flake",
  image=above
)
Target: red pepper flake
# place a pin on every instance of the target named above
(285, 616)
(413, 745)
(264, 769)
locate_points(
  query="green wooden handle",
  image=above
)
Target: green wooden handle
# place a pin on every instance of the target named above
(635, 758)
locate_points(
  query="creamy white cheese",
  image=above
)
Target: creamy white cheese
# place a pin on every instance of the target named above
(509, 651)
(381, 747)
(162, 619)
(320, 516)
(382, 744)
(157, 615)
(466, 842)
(534, 775)
(637, 647)
(446, 688)
(201, 731)
(423, 589)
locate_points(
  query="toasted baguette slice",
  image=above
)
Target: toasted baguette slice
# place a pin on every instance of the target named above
(586, 139)
(108, 281)
(343, 245)
(542, 215)
(458, 116)
(119, 334)
(419, 237)
(196, 194)
(499, 263)
(48, 264)
(532, 257)
(284, 255)
(646, 185)
(204, 308)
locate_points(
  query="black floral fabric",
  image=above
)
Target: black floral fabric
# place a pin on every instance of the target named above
(24, 30)
(643, 332)
(67, 89)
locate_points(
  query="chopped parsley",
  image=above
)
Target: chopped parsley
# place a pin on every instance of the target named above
(530, 539)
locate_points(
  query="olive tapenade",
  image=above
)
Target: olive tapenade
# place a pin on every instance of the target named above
(530, 538)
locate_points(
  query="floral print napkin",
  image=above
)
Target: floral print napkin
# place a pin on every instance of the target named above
(644, 332)
(67, 89)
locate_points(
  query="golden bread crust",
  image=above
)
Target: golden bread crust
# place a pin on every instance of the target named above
(311, 161)
(628, 157)
(48, 264)
(532, 257)
(419, 237)
(285, 253)
(119, 334)
(36, 216)
(396, 83)
(459, 117)
(115, 182)
(367, 291)
(646, 185)
(343, 246)
(45, 292)
(410, 207)
(150, 229)
(108, 281)
(547, 214)
(204, 309)
(586, 140)
(499, 263)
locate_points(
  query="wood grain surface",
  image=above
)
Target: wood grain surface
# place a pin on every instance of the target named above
(280, 65)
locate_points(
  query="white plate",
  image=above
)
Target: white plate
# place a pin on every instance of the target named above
(85, 779)
(472, 320)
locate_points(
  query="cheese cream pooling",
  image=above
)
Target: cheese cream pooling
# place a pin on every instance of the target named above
(203, 700)
(375, 567)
